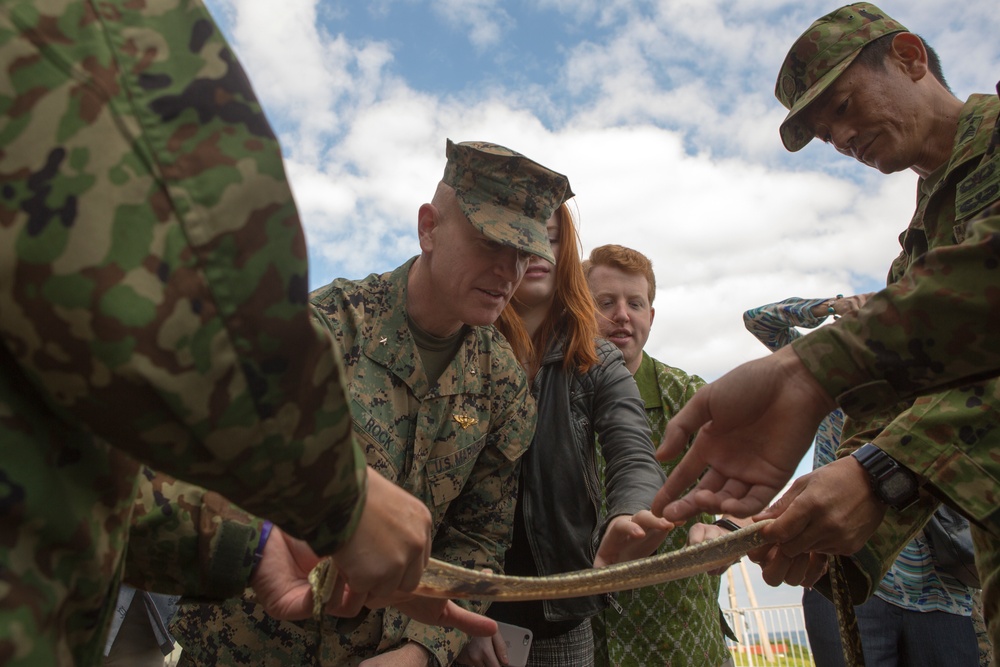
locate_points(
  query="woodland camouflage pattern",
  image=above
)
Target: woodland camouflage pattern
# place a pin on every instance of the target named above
(821, 55)
(455, 445)
(153, 307)
(505, 195)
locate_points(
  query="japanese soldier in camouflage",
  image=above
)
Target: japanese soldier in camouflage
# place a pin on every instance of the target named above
(153, 309)
(439, 402)
(860, 81)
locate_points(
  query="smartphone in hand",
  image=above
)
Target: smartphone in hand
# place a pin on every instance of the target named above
(518, 641)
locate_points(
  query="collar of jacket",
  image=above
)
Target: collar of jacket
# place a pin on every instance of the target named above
(390, 343)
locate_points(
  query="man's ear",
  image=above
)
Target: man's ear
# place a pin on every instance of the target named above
(428, 218)
(909, 52)
(652, 314)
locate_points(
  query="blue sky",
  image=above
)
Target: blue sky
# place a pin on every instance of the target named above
(661, 113)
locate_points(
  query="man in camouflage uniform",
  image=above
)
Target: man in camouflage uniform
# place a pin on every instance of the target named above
(153, 308)
(691, 633)
(440, 404)
(858, 80)
(841, 82)
(933, 330)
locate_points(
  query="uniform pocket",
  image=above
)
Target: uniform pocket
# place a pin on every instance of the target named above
(446, 474)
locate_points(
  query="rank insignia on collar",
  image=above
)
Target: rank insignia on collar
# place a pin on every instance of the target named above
(465, 422)
(383, 341)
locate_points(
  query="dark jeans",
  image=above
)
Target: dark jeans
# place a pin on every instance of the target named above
(892, 636)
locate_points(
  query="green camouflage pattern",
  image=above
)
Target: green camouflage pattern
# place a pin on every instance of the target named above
(688, 629)
(455, 445)
(933, 425)
(153, 308)
(987, 547)
(932, 329)
(505, 195)
(957, 284)
(820, 55)
(175, 524)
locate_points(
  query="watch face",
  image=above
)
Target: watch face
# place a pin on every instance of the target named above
(897, 486)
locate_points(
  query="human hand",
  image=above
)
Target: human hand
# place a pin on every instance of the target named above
(484, 652)
(831, 510)
(389, 550)
(701, 532)
(409, 654)
(281, 579)
(630, 537)
(841, 305)
(756, 422)
(281, 584)
(776, 568)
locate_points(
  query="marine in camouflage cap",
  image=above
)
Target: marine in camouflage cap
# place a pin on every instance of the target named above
(505, 195)
(822, 54)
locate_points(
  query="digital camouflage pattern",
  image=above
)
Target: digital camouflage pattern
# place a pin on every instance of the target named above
(505, 195)
(455, 445)
(688, 627)
(819, 56)
(153, 308)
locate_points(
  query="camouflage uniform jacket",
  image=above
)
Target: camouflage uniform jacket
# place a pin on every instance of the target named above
(945, 203)
(688, 631)
(933, 329)
(455, 445)
(153, 308)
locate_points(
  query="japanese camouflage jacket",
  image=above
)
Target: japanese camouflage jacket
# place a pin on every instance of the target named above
(945, 437)
(153, 308)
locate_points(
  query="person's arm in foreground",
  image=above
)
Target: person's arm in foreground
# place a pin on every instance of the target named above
(757, 421)
(166, 313)
(185, 540)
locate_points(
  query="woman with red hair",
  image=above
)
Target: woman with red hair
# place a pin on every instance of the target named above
(583, 390)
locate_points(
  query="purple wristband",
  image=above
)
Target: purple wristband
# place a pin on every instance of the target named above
(258, 554)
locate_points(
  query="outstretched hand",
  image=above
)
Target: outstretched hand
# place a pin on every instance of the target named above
(756, 422)
(631, 537)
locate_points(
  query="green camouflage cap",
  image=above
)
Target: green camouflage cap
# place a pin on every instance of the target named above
(822, 54)
(505, 195)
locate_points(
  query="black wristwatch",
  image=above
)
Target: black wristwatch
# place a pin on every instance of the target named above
(893, 484)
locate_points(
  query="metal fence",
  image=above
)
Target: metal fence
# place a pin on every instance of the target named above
(769, 636)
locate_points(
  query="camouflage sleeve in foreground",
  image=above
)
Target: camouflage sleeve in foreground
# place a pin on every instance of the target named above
(154, 268)
(175, 525)
(866, 568)
(934, 329)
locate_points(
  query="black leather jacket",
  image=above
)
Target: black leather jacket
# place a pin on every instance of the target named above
(560, 494)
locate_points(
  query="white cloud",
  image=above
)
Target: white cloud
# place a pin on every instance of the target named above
(485, 21)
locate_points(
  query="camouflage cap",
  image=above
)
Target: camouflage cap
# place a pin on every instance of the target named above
(821, 55)
(505, 195)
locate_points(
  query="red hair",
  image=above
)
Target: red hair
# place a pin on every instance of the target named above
(571, 315)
